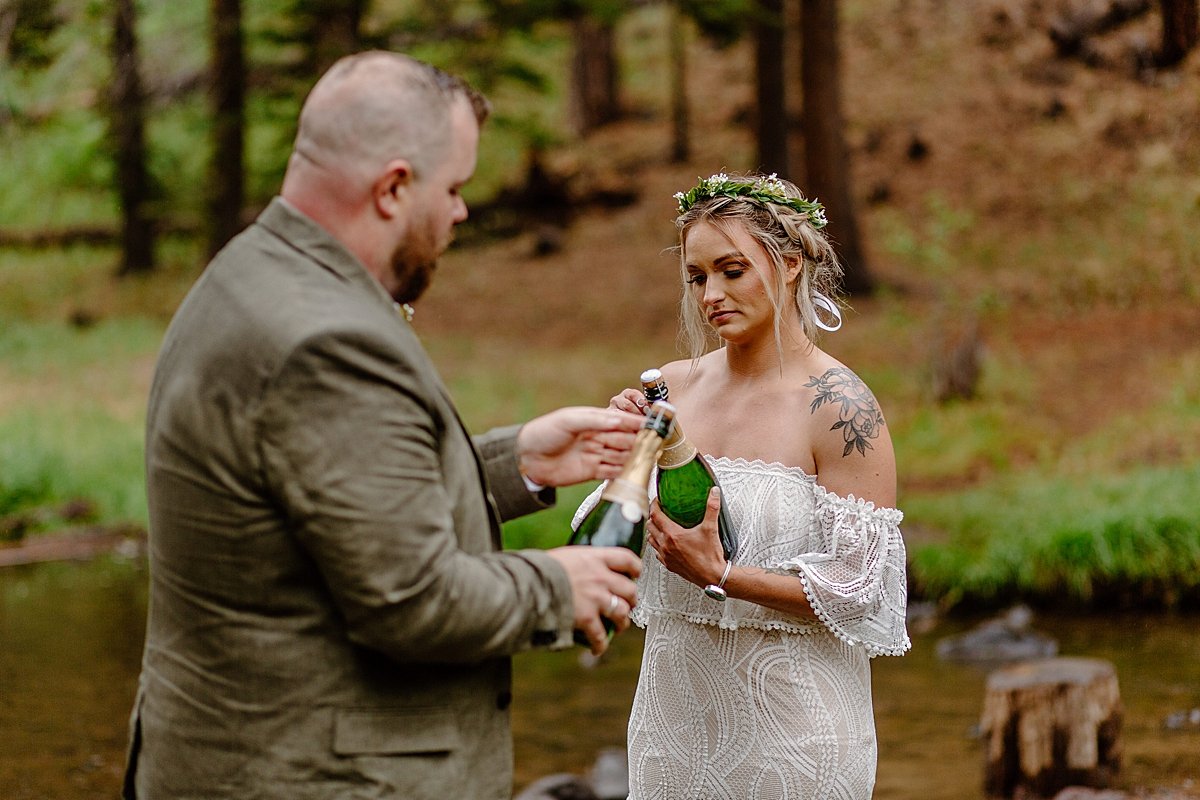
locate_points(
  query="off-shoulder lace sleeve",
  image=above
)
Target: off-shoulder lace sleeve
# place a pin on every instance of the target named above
(855, 576)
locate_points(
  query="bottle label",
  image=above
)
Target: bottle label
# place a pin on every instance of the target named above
(676, 453)
(632, 498)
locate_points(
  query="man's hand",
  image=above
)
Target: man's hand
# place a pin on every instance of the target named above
(601, 586)
(576, 444)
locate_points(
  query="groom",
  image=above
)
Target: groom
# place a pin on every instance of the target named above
(330, 612)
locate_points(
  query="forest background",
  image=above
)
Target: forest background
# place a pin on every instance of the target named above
(1015, 186)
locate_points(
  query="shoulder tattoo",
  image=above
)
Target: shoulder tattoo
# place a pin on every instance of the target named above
(859, 417)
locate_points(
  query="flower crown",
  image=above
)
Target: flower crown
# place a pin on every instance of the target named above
(763, 190)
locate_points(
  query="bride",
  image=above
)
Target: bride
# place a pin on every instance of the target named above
(767, 694)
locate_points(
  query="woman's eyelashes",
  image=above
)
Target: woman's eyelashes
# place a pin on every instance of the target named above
(731, 273)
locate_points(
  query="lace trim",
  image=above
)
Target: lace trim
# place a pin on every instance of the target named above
(873, 650)
(757, 465)
(641, 617)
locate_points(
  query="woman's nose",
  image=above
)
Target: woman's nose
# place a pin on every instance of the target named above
(713, 293)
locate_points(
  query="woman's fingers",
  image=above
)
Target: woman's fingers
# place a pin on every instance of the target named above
(630, 400)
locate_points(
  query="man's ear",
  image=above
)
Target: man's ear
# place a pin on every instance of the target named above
(391, 188)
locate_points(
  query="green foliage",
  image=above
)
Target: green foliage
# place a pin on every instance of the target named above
(1118, 541)
(936, 246)
(31, 25)
(722, 22)
(71, 418)
(549, 528)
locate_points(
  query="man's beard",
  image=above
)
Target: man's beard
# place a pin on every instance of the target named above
(413, 270)
(413, 265)
(412, 280)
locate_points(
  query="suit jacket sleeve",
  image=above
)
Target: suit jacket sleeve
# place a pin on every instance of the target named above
(497, 448)
(351, 440)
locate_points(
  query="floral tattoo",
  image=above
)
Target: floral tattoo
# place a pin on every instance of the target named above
(859, 417)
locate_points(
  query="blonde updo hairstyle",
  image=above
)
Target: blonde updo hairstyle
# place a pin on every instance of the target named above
(785, 235)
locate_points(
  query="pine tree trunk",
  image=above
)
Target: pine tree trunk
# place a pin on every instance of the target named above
(1180, 30)
(593, 75)
(770, 88)
(333, 30)
(826, 161)
(228, 98)
(681, 145)
(127, 114)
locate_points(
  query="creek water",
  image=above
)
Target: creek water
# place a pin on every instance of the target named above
(71, 637)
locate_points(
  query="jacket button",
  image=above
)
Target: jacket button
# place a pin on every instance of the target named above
(503, 700)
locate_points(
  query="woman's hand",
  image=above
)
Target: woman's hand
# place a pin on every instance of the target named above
(693, 554)
(629, 400)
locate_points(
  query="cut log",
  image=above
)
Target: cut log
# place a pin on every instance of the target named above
(1049, 724)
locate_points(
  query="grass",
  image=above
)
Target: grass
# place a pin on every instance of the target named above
(72, 417)
(1118, 540)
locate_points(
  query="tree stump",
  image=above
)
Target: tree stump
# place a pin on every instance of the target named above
(1049, 724)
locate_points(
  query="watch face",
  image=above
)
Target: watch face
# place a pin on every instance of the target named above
(715, 592)
(631, 511)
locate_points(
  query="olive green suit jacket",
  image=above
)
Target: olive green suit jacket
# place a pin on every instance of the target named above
(330, 615)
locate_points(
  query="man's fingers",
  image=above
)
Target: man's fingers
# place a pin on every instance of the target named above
(624, 561)
(618, 613)
(614, 441)
(596, 635)
(586, 418)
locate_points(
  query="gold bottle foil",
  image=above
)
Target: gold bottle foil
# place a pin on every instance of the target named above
(677, 450)
(630, 492)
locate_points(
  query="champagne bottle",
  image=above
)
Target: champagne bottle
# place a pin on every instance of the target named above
(619, 519)
(684, 475)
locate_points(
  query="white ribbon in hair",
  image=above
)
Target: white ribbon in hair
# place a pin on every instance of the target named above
(823, 302)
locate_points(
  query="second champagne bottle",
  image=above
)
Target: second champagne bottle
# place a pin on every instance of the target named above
(684, 476)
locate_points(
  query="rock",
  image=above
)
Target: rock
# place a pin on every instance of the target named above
(1083, 793)
(1006, 638)
(1188, 720)
(559, 786)
(610, 774)
(921, 616)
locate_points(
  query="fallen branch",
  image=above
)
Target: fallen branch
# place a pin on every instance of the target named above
(73, 546)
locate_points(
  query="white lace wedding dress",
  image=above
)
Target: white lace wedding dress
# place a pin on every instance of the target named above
(736, 701)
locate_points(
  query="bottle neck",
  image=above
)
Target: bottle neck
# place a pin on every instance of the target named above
(677, 449)
(655, 390)
(631, 485)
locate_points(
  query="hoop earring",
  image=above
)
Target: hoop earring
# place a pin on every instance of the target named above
(823, 302)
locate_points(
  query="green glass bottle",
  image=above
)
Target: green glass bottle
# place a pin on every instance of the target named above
(619, 519)
(684, 475)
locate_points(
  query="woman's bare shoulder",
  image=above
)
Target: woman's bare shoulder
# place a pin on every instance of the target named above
(678, 373)
(851, 442)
